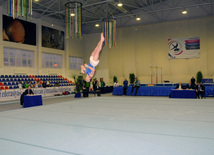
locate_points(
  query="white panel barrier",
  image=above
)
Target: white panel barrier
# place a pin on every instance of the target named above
(14, 94)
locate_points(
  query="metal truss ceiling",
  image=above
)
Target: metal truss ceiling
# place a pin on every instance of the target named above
(150, 11)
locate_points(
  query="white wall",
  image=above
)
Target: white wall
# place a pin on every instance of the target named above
(137, 48)
(140, 47)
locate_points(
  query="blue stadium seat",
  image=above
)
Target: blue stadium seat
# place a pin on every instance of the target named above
(13, 83)
(5, 83)
(10, 76)
(20, 76)
(23, 76)
(9, 83)
(6, 76)
(27, 76)
(17, 76)
(3, 80)
(11, 87)
(7, 80)
(2, 76)
(15, 87)
(13, 76)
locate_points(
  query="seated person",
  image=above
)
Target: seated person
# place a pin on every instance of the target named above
(200, 89)
(136, 85)
(179, 86)
(26, 92)
(30, 84)
(56, 84)
(37, 84)
(116, 84)
(48, 84)
(26, 84)
(20, 85)
(190, 86)
(44, 84)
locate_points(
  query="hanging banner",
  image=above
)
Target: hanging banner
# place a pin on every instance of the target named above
(184, 48)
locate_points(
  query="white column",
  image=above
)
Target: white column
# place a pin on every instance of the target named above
(1, 42)
(38, 57)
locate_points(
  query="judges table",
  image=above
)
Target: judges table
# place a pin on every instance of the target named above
(151, 91)
(30, 101)
(118, 91)
(183, 93)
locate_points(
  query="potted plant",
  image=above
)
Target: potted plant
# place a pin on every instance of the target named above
(199, 77)
(114, 79)
(131, 78)
(79, 86)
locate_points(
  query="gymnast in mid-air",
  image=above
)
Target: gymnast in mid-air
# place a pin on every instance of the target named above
(89, 69)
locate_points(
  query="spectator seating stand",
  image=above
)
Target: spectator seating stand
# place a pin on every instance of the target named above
(11, 81)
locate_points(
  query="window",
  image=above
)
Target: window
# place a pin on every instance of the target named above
(51, 60)
(18, 57)
(75, 63)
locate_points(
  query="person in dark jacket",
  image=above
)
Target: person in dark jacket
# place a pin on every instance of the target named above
(94, 83)
(28, 91)
(190, 86)
(200, 89)
(44, 84)
(193, 81)
(125, 86)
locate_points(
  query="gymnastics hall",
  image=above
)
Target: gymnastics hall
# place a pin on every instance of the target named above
(160, 47)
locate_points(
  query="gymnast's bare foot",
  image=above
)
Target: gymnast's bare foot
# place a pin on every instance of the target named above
(102, 37)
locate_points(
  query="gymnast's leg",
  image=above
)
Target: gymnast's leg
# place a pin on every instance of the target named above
(97, 50)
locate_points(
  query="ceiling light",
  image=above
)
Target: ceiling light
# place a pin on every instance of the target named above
(36, 0)
(184, 11)
(72, 14)
(97, 25)
(120, 4)
(138, 18)
(52, 25)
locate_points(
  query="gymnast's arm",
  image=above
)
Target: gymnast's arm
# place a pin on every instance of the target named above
(92, 69)
(92, 73)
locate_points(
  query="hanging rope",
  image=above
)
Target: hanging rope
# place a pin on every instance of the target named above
(73, 20)
(109, 31)
(17, 8)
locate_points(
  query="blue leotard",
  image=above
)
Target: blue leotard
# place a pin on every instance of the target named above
(88, 71)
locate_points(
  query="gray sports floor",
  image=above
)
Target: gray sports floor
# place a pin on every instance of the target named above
(110, 125)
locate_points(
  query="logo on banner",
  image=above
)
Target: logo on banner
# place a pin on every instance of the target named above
(184, 48)
(176, 48)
